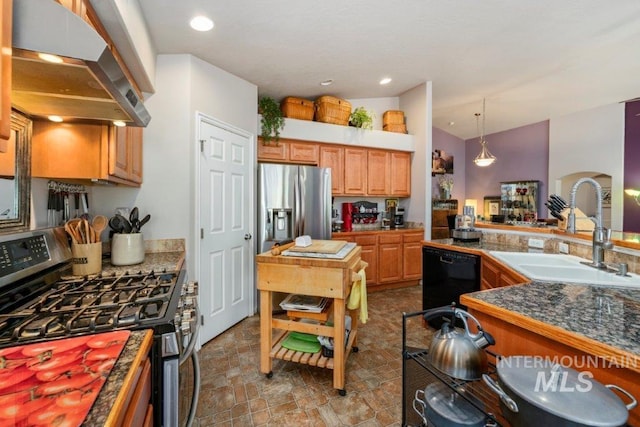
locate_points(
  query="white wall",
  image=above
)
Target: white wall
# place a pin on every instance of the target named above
(589, 141)
(416, 104)
(184, 85)
(377, 106)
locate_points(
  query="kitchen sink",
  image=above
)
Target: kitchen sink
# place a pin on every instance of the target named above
(563, 268)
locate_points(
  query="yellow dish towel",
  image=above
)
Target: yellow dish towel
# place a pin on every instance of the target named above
(358, 297)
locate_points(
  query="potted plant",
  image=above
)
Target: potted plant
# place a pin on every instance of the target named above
(361, 118)
(272, 120)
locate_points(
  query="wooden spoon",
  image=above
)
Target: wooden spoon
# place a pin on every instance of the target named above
(99, 223)
(71, 228)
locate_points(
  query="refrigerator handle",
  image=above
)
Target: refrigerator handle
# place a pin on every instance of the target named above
(296, 207)
(302, 214)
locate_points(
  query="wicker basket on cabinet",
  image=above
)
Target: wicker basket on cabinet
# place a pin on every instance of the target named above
(297, 108)
(393, 117)
(398, 128)
(330, 109)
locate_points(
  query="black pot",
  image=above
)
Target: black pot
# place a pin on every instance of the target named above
(537, 392)
(440, 406)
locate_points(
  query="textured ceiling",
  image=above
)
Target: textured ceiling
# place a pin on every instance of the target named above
(531, 60)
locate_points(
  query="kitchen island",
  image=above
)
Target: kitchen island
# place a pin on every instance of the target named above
(321, 277)
(588, 327)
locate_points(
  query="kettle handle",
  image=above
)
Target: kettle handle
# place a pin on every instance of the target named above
(482, 338)
(439, 311)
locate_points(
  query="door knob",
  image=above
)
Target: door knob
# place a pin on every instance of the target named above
(247, 236)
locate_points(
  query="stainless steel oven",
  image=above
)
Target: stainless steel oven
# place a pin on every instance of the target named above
(40, 300)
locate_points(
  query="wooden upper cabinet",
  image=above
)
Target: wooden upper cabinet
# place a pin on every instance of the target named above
(400, 174)
(272, 152)
(8, 159)
(355, 171)
(289, 151)
(87, 151)
(125, 153)
(333, 157)
(5, 73)
(378, 173)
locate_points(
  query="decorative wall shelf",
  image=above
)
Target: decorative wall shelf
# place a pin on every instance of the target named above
(307, 130)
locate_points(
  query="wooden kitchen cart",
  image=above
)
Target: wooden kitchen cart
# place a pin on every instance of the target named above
(330, 278)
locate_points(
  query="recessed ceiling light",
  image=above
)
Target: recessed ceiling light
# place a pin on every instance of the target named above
(385, 81)
(452, 123)
(326, 82)
(56, 119)
(119, 123)
(201, 23)
(50, 58)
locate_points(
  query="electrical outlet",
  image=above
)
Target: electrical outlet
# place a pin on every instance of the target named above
(536, 243)
(563, 248)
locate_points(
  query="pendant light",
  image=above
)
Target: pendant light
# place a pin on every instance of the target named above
(485, 158)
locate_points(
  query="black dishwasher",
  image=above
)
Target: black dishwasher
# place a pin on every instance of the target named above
(445, 276)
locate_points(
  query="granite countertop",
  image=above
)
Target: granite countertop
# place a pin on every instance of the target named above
(335, 234)
(607, 314)
(111, 388)
(156, 261)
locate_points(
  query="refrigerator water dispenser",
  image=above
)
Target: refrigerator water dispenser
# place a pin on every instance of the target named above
(280, 224)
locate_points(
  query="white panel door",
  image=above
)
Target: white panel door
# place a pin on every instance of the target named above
(225, 212)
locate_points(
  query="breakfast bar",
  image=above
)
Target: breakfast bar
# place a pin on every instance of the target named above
(322, 277)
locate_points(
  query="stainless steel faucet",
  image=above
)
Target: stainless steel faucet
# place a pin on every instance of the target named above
(601, 235)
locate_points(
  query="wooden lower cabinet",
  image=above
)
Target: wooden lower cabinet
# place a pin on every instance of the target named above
(514, 337)
(496, 275)
(132, 406)
(412, 256)
(389, 258)
(369, 254)
(394, 257)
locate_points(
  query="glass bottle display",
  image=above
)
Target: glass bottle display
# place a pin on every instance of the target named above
(519, 201)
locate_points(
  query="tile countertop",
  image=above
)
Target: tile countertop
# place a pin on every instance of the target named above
(606, 314)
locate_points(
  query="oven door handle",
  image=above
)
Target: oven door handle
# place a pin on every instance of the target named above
(194, 337)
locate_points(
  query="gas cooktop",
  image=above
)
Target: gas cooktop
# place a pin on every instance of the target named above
(89, 305)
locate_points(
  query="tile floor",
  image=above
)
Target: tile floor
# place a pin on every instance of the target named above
(235, 393)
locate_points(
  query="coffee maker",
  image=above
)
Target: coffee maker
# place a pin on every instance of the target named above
(465, 226)
(398, 218)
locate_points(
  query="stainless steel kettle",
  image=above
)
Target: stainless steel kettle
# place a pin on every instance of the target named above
(456, 351)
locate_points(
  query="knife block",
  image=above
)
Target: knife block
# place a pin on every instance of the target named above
(583, 223)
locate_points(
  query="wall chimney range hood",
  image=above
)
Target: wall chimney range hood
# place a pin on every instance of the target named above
(88, 84)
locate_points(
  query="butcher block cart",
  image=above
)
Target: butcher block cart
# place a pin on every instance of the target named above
(302, 275)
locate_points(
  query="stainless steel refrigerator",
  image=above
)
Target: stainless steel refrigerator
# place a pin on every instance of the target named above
(292, 201)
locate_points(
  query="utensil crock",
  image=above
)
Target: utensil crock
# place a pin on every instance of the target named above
(127, 249)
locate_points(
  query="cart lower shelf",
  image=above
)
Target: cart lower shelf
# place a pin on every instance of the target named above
(311, 359)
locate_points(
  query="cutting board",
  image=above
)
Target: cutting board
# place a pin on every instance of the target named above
(321, 247)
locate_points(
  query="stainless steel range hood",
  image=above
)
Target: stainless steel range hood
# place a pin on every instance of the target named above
(89, 84)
